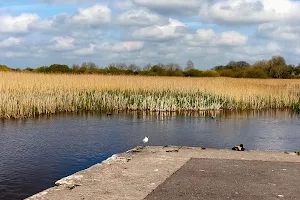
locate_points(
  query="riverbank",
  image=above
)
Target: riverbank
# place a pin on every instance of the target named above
(153, 172)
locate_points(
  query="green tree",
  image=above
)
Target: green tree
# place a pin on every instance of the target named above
(42, 69)
(297, 70)
(277, 67)
(58, 68)
(157, 70)
(92, 68)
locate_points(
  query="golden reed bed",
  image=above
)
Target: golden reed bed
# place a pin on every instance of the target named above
(31, 94)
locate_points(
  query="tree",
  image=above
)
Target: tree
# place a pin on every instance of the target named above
(83, 69)
(133, 67)
(219, 67)
(263, 64)
(75, 68)
(43, 69)
(277, 67)
(157, 69)
(189, 65)
(92, 67)
(297, 70)
(239, 64)
(121, 66)
(242, 64)
(147, 67)
(59, 68)
(172, 67)
(231, 65)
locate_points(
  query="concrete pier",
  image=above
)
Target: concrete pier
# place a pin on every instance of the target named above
(183, 173)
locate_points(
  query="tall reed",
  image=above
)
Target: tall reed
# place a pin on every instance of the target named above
(30, 94)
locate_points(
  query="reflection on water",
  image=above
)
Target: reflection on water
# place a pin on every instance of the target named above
(34, 153)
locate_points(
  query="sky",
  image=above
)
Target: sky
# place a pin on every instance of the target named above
(36, 33)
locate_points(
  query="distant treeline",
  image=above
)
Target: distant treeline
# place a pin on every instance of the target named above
(276, 67)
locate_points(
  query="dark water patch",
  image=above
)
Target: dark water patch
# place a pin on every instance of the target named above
(34, 153)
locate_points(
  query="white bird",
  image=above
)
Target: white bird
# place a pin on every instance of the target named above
(145, 140)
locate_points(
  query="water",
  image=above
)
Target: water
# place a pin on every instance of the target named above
(34, 153)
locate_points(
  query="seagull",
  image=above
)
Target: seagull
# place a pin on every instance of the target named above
(145, 140)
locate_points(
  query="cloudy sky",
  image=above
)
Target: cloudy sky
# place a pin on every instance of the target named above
(208, 32)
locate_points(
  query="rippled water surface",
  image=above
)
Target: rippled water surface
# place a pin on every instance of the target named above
(34, 153)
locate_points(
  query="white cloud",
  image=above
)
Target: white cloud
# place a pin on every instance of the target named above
(11, 41)
(63, 43)
(156, 33)
(23, 23)
(232, 38)
(126, 46)
(139, 17)
(203, 35)
(208, 37)
(85, 51)
(280, 31)
(94, 15)
(242, 12)
(18, 24)
(89, 17)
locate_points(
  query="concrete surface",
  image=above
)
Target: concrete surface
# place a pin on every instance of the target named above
(136, 174)
(211, 179)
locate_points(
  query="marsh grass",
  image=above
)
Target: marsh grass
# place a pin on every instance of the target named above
(31, 94)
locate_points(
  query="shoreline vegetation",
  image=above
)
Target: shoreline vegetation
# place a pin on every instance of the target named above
(26, 94)
(276, 67)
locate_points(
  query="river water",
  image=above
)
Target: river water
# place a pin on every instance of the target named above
(34, 153)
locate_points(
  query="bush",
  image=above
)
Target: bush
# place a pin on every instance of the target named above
(59, 68)
(4, 68)
(193, 73)
(210, 73)
(225, 72)
(43, 69)
(256, 73)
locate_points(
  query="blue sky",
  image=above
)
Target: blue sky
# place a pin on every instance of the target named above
(34, 33)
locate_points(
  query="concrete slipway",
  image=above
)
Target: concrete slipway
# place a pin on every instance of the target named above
(183, 173)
